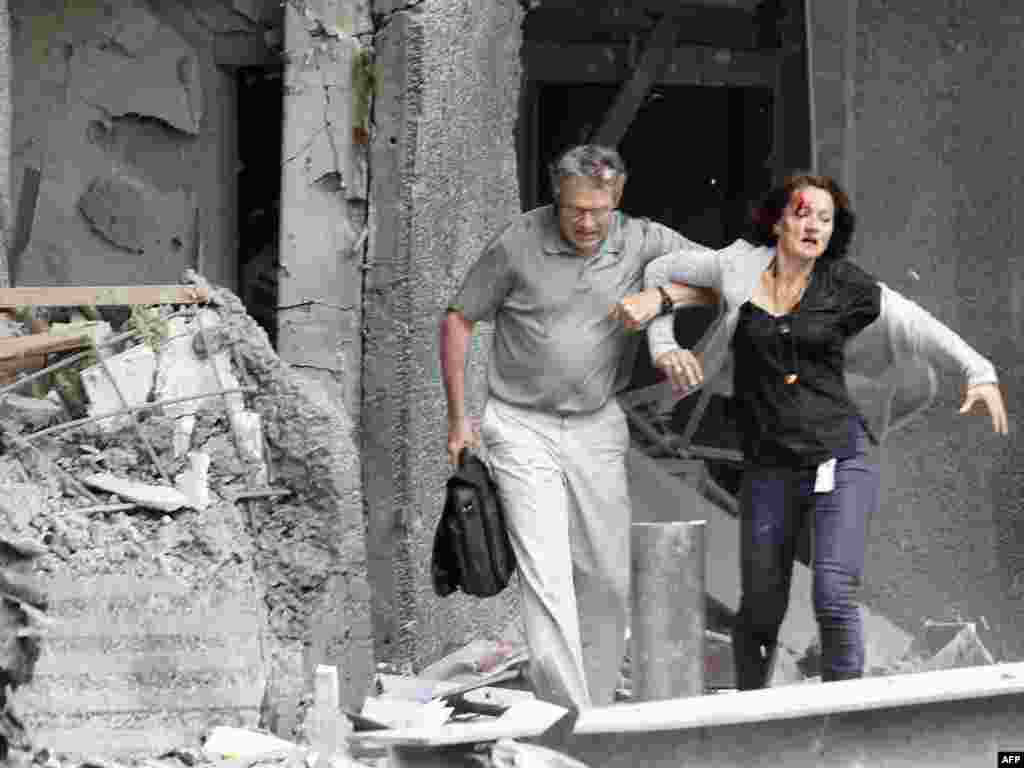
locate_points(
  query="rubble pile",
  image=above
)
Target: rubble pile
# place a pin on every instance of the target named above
(239, 484)
(20, 624)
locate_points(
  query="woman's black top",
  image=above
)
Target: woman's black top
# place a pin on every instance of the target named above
(794, 409)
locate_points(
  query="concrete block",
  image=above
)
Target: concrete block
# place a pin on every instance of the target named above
(152, 496)
(133, 370)
(194, 481)
(248, 429)
(182, 374)
(182, 439)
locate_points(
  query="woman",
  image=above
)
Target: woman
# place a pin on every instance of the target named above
(798, 318)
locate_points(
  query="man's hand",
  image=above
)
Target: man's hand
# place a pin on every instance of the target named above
(682, 367)
(637, 309)
(462, 433)
(990, 395)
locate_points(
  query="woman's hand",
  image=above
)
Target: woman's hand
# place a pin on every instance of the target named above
(682, 367)
(637, 309)
(990, 395)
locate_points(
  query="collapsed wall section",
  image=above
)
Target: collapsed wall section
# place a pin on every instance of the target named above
(179, 607)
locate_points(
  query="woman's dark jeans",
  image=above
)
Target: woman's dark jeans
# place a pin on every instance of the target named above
(775, 506)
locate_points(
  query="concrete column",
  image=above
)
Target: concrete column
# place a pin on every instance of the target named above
(6, 116)
(443, 184)
(832, 61)
(667, 631)
(323, 211)
(323, 196)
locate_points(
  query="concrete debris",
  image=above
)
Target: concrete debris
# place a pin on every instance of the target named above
(188, 563)
(152, 496)
(402, 713)
(964, 650)
(508, 753)
(133, 371)
(21, 503)
(228, 743)
(181, 373)
(194, 481)
(31, 412)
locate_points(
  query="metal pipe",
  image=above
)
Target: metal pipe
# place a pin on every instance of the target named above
(667, 594)
(135, 408)
(135, 422)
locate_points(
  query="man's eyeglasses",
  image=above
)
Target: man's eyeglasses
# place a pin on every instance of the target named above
(578, 214)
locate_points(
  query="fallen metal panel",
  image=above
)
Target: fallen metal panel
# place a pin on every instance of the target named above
(956, 717)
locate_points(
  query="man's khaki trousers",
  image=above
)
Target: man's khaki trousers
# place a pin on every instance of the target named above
(562, 481)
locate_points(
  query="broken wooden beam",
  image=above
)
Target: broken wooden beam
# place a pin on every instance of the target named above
(631, 95)
(102, 295)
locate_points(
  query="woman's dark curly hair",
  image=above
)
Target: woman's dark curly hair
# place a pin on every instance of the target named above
(767, 213)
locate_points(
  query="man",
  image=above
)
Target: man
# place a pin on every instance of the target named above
(555, 437)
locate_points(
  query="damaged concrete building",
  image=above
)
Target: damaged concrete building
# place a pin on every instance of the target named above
(337, 164)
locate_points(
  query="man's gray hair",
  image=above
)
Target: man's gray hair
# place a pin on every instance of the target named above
(601, 164)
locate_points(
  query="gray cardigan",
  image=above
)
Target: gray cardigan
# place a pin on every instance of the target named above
(904, 334)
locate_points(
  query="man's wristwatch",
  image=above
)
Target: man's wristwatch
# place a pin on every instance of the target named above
(666, 301)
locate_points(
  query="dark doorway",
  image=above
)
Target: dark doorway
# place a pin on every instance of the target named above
(726, 119)
(696, 155)
(260, 118)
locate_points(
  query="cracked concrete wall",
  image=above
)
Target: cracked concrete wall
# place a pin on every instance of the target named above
(929, 120)
(444, 182)
(124, 139)
(324, 193)
(6, 118)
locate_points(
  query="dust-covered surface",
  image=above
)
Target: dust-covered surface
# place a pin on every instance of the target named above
(166, 620)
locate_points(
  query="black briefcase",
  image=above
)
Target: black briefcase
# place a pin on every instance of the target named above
(472, 551)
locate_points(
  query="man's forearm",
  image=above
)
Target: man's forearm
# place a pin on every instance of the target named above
(684, 295)
(456, 331)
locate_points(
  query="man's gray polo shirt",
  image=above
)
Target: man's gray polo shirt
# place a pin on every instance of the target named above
(555, 348)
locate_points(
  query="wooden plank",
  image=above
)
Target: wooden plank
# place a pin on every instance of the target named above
(632, 94)
(688, 65)
(20, 347)
(101, 295)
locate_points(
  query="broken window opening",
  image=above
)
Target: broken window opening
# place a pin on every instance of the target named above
(260, 131)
